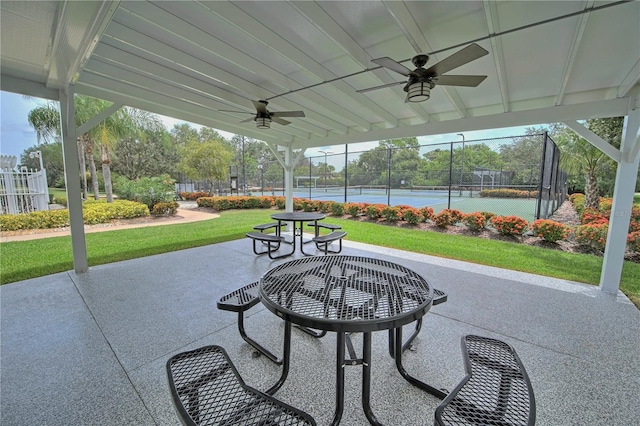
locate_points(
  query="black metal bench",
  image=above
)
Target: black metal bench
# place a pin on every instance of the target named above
(269, 239)
(207, 389)
(265, 226)
(324, 241)
(240, 301)
(495, 391)
(317, 225)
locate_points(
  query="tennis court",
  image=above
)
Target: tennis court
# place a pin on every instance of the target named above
(436, 199)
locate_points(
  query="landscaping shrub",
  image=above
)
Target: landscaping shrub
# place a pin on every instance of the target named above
(426, 213)
(192, 196)
(507, 193)
(443, 219)
(337, 209)
(60, 199)
(146, 190)
(374, 211)
(411, 215)
(487, 216)
(577, 200)
(475, 221)
(241, 202)
(633, 239)
(550, 230)
(391, 214)
(509, 225)
(592, 216)
(164, 209)
(93, 212)
(592, 235)
(456, 216)
(352, 209)
(324, 206)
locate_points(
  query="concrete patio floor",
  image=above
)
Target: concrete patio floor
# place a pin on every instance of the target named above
(90, 349)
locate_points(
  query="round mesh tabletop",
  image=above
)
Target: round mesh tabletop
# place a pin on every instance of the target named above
(345, 293)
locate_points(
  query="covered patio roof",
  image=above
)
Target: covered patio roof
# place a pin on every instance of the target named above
(195, 61)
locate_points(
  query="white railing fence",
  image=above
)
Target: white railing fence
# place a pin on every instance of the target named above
(23, 191)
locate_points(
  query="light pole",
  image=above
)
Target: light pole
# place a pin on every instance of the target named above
(261, 178)
(325, 168)
(34, 154)
(461, 164)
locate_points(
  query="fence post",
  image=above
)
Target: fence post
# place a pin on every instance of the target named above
(542, 170)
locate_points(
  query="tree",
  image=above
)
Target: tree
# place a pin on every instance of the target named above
(208, 161)
(150, 154)
(126, 122)
(577, 155)
(46, 122)
(51, 159)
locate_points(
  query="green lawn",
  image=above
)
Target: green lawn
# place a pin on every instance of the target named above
(29, 259)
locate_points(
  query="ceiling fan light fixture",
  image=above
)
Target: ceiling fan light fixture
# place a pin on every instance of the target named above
(419, 91)
(263, 122)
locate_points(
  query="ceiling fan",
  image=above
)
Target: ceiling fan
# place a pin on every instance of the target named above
(422, 80)
(264, 117)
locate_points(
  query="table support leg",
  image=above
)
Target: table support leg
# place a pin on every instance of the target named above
(286, 358)
(302, 242)
(340, 344)
(415, 382)
(366, 379)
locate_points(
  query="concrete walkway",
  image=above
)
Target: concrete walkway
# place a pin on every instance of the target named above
(90, 349)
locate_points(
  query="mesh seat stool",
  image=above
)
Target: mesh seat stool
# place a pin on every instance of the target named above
(317, 225)
(323, 241)
(239, 301)
(495, 391)
(269, 239)
(207, 389)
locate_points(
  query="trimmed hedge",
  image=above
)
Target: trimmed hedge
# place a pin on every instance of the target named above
(93, 212)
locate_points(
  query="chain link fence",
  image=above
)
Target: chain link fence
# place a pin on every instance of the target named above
(516, 175)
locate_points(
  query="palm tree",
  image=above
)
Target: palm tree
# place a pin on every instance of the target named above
(126, 122)
(577, 155)
(46, 122)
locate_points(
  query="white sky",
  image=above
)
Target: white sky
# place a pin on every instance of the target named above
(16, 135)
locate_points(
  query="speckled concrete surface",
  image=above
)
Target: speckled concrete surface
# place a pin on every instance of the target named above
(90, 349)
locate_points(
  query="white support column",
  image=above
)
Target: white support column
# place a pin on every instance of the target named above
(626, 176)
(71, 173)
(288, 178)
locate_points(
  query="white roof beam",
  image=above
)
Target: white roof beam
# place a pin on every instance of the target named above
(404, 19)
(575, 47)
(159, 103)
(595, 140)
(545, 114)
(324, 23)
(491, 16)
(234, 15)
(160, 51)
(630, 80)
(72, 46)
(98, 118)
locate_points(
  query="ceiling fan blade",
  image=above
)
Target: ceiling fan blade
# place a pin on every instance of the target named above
(392, 65)
(466, 55)
(260, 107)
(280, 121)
(248, 119)
(288, 114)
(237, 112)
(380, 87)
(459, 80)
